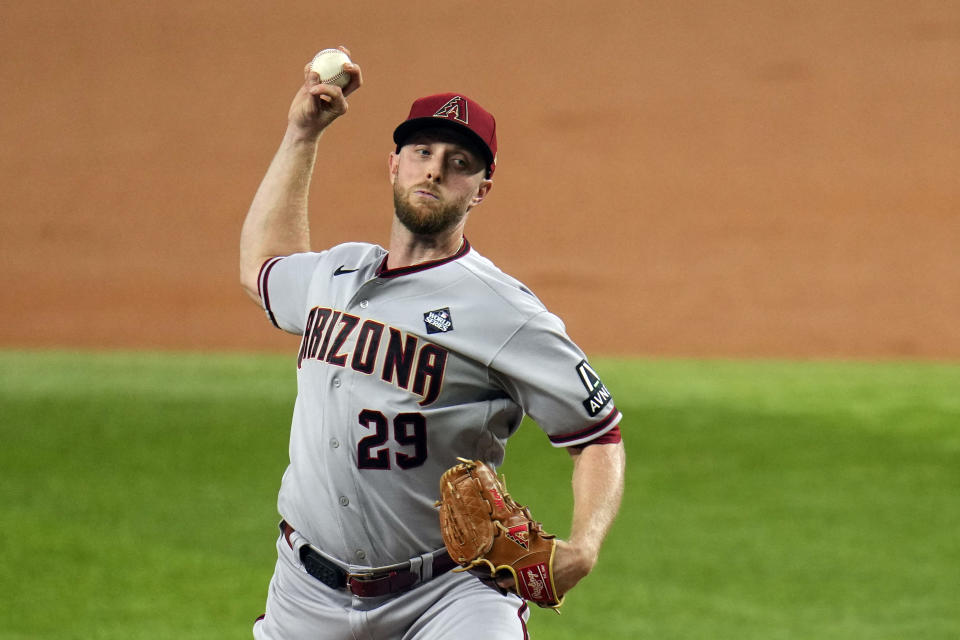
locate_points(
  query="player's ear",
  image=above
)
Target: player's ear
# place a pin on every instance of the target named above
(482, 192)
(393, 165)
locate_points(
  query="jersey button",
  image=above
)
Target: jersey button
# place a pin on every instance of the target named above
(364, 304)
(361, 554)
(336, 382)
(344, 501)
(334, 443)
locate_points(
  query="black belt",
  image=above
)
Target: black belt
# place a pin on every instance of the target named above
(365, 585)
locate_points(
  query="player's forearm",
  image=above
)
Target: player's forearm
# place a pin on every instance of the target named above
(277, 223)
(598, 477)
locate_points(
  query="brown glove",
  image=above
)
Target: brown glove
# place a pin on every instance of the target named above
(485, 530)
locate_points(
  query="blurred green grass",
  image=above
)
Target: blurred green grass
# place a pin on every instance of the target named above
(764, 499)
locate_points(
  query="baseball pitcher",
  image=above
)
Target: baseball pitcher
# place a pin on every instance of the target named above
(416, 364)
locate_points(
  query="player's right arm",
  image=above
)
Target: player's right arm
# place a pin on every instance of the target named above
(276, 223)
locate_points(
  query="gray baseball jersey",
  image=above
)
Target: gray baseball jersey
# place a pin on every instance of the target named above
(400, 372)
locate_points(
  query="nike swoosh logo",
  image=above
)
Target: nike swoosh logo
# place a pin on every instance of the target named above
(340, 271)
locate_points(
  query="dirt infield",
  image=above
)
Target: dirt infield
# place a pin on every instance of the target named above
(675, 178)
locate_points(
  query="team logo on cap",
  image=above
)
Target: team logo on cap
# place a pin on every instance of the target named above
(438, 321)
(454, 109)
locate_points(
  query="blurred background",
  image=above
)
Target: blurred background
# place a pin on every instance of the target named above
(735, 178)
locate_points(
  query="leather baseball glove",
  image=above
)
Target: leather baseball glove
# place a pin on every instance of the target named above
(486, 532)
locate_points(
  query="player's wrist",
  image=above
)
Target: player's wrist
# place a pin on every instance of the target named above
(583, 555)
(301, 135)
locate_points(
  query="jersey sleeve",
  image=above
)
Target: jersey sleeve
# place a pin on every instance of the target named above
(283, 285)
(549, 376)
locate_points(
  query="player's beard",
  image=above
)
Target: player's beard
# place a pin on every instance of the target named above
(426, 217)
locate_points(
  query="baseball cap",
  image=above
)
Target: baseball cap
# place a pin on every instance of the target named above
(458, 112)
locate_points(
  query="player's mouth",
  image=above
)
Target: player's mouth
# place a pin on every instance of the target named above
(426, 194)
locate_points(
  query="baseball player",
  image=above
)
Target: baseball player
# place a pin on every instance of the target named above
(410, 357)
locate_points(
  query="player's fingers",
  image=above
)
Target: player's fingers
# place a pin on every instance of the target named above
(356, 78)
(325, 92)
(505, 580)
(310, 77)
(329, 98)
(505, 583)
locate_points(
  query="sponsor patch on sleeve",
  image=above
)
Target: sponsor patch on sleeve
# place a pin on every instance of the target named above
(598, 396)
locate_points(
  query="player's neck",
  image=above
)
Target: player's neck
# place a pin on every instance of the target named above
(407, 249)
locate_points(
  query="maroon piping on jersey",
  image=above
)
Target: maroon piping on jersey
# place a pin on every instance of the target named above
(609, 437)
(262, 287)
(586, 433)
(383, 272)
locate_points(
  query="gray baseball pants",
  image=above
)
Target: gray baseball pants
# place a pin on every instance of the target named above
(454, 605)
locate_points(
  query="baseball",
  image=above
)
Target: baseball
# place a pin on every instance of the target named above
(328, 64)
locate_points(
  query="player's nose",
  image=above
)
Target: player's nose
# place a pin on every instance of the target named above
(434, 169)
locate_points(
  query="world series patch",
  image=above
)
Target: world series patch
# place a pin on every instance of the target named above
(438, 321)
(599, 396)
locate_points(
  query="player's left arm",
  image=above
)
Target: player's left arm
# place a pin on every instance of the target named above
(550, 378)
(598, 478)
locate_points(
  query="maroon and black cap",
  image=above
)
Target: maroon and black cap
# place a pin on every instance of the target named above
(458, 112)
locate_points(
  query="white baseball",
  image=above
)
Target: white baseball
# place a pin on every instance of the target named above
(328, 64)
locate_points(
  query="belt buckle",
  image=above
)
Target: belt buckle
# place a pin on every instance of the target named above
(368, 576)
(380, 573)
(373, 585)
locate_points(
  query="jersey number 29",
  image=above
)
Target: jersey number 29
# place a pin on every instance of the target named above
(409, 429)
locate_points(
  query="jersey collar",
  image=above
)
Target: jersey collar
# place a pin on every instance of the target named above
(383, 272)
